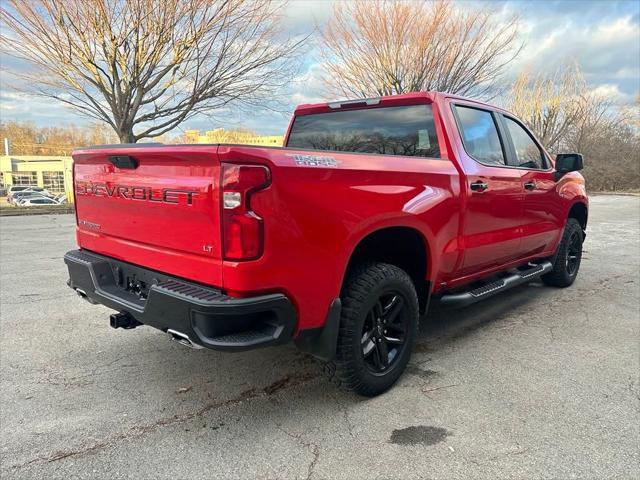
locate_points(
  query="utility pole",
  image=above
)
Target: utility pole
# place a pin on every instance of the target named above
(6, 146)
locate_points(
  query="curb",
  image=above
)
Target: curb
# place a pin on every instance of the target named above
(622, 194)
(24, 211)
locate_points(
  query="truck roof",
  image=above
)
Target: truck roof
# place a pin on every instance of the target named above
(390, 100)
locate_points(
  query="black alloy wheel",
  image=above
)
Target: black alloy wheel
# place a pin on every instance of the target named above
(574, 253)
(384, 332)
(566, 261)
(378, 327)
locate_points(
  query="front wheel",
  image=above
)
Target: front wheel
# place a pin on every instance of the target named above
(377, 328)
(568, 256)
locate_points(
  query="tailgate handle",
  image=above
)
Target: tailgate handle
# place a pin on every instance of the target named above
(123, 161)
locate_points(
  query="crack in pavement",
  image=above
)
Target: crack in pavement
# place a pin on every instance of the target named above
(140, 430)
(32, 300)
(632, 389)
(60, 379)
(347, 421)
(483, 462)
(426, 391)
(314, 448)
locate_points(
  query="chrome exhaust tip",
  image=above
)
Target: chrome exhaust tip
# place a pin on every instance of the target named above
(83, 295)
(183, 339)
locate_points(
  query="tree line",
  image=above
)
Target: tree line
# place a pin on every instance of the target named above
(26, 138)
(143, 67)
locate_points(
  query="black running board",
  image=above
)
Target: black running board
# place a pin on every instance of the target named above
(489, 290)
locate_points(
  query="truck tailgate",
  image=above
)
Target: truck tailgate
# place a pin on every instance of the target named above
(154, 207)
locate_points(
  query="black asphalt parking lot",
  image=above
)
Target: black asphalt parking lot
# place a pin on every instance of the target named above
(535, 383)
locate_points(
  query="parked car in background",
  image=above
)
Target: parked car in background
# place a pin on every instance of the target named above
(15, 197)
(18, 190)
(13, 189)
(33, 201)
(18, 196)
(40, 190)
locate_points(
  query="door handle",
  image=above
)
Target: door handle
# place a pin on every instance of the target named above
(478, 186)
(530, 185)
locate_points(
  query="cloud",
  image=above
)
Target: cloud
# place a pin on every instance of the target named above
(26, 107)
(307, 87)
(602, 37)
(302, 15)
(310, 86)
(608, 90)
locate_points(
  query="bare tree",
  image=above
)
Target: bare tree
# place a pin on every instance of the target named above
(611, 148)
(568, 117)
(386, 47)
(552, 103)
(145, 66)
(28, 139)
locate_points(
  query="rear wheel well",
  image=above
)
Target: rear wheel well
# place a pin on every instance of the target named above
(579, 212)
(403, 247)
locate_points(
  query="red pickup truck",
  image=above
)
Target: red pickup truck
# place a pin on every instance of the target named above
(337, 241)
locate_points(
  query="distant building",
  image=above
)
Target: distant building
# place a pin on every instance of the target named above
(220, 135)
(49, 171)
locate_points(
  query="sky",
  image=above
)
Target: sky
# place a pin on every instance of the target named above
(602, 36)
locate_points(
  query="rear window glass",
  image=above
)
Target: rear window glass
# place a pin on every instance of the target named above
(408, 131)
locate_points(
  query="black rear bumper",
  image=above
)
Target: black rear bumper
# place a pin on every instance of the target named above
(208, 317)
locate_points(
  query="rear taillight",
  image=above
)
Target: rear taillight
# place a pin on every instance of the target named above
(243, 230)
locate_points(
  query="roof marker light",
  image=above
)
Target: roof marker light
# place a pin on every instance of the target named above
(361, 101)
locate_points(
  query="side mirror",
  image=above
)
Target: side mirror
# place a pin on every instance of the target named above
(569, 162)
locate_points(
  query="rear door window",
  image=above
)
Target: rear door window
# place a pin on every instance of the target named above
(480, 135)
(407, 130)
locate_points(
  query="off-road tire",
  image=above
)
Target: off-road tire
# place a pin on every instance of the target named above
(364, 286)
(570, 246)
